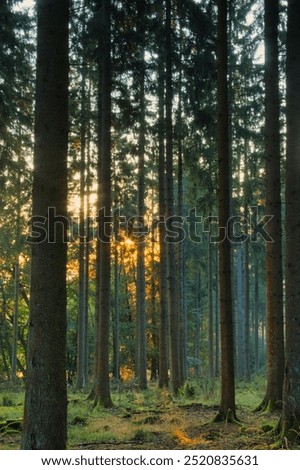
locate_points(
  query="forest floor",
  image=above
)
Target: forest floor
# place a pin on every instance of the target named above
(153, 419)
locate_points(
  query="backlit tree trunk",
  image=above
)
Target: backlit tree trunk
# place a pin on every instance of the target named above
(275, 339)
(102, 385)
(140, 284)
(172, 298)
(227, 406)
(45, 411)
(163, 299)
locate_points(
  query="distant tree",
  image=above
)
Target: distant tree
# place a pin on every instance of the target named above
(45, 411)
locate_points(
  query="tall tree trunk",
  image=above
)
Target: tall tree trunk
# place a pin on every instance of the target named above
(88, 238)
(4, 343)
(16, 281)
(275, 337)
(246, 283)
(97, 280)
(140, 286)
(15, 320)
(102, 385)
(217, 321)
(211, 365)
(172, 298)
(256, 317)
(291, 390)
(240, 315)
(227, 406)
(197, 334)
(45, 411)
(153, 313)
(163, 291)
(116, 318)
(181, 245)
(82, 320)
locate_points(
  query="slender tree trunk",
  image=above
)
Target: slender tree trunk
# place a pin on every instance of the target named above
(256, 318)
(88, 240)
(98, 205)
(211, 364)
(82, 323)
(172, 298)
(240, 316)
(102, 388)
(180, 247)
(116, 332)
(197, 334)
(15, 321)
(227, 406)
(45, 410)
(163, 292)
(3, 333)
(140, 286)
(16, 282)
(275, 338)
(217, 321)
(290, 422)
(246, 308)
(246, 283)
(153, 316)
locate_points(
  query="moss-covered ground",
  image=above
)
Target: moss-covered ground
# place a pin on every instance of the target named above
(153, 419)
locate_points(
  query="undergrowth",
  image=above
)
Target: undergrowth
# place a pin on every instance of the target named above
(155, 419)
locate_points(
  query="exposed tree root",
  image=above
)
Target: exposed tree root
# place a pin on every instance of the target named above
(103, 403)
(268, 406)
(228, 417)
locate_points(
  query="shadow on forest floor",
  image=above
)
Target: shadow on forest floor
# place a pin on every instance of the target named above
(154, 420)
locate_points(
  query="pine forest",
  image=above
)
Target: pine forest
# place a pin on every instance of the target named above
(150, 224)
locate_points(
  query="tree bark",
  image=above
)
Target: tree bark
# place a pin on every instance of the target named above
(45, 411)
(239, 315)
(227, 409)
(172, 299)
(81, 378)
(102, 384)
(16, 281)
(291, 391)
(140, 285)
(163, 294)
(275, 337)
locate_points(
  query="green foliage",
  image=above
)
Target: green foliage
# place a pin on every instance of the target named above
(6, 401)
(140, 436)
(138, 418)
(249, 394)
(11, 403)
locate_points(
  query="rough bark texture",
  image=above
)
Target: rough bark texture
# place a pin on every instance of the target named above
(163, 300)
(45, 413)
(172, 298)
(140, 285)
(82, 373)
(291, 391)
(180, 248)
(102, 385)
(275, 339)
(227, 406)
